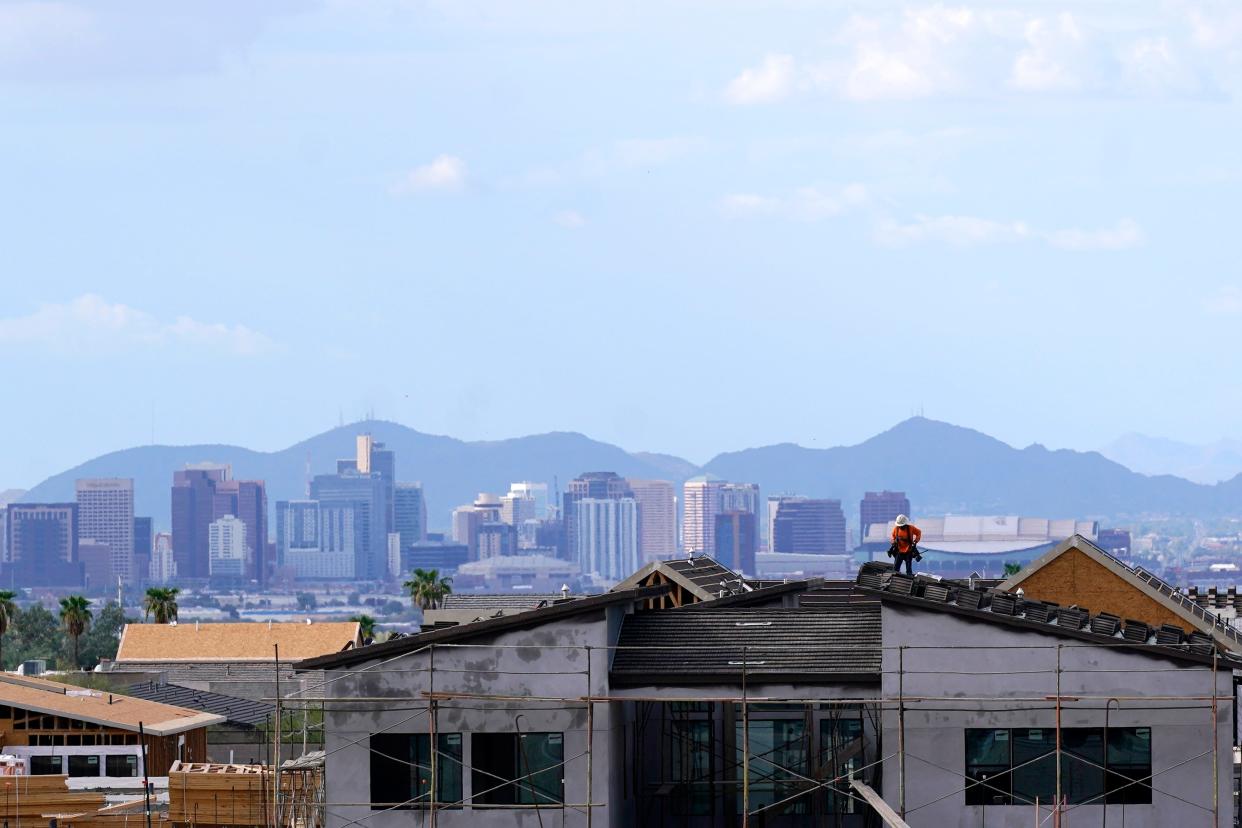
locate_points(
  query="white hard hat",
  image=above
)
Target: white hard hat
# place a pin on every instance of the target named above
(902, 520)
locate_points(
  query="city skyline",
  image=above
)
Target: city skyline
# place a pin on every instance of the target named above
(274, 195)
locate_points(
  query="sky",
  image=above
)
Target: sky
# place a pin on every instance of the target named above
(688, 226)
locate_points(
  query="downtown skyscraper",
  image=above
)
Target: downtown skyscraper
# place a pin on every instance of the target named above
(106, 516)
(204, 494)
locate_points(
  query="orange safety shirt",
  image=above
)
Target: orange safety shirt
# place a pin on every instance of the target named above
(905, 536)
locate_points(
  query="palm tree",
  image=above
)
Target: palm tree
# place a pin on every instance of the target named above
(75, 614)
(366, 626)
(161, 602)
(427, 588)
(8, 614)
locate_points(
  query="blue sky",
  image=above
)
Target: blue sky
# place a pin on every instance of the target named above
(679, 226)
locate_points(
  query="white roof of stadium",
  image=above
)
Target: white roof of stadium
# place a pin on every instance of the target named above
(988, 534)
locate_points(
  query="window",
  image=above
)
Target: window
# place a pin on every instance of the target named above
(690, 760)
(778, 764)
(839, 740)
(401, 770)
(121, 765)
(42, 765)
(518, 768)
(1014, 767)
(83, 765)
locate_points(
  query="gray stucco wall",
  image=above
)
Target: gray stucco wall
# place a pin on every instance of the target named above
(550, 661)
(962, 660)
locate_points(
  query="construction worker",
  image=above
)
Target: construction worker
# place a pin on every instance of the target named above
(906, 537)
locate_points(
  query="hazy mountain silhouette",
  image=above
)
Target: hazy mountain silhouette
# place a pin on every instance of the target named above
(944, 468)
(1207, 463)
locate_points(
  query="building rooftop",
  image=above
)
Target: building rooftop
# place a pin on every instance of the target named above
(486, 627)
(1012, 609)
(491, 601)
(703, 577)
(98, 707)
(234, 642)
(235, 710)
(840, 643)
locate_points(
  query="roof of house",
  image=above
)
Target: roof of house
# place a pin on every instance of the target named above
(489, 626)
(1169, 596)
(235, 710)
(755, 597)
(243, 641)
(836, 644)
(97, 707)
(703, 577)
(1011, 609)
(522, 600)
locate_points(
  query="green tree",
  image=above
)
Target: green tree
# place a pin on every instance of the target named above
(427, 589)
(1012, 569)
(366, 626)
(34, 634)
(104, 636)
(307, 602)
(162, 603)
(75, 615)
(8, 614)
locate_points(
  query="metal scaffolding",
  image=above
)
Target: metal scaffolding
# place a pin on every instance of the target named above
(847, 775)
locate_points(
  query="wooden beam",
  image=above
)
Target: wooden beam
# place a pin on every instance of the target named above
(881, 807)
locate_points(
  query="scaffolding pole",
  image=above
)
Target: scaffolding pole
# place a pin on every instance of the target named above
(434, 746)
(590, 740)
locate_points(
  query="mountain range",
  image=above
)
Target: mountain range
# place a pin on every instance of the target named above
(1208, 463)
(942, 467)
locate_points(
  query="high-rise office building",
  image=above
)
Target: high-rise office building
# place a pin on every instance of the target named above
(736, 541)
(144, 537)
(373, 458)
(466, 522)
(366, 493)
(205, 493)
(163, 568)
(537, 491)
(409, 513)
(810, 526)
(496, 540)
(226, 548)
(517, 507)
(593, 485)
(106, 516)
(703, 498)
(881, 507)
(42, 543)
(607, 536)
(657, 518)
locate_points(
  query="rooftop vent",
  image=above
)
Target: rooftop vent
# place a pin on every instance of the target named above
(1071, 618)
(901, 585)
(1005, 604)
(1200, 643)
(871, 580)
(971, 598)
(1105, 624)
(1044, 611)
(1136, 631)
(1170, 635)
(937, 592)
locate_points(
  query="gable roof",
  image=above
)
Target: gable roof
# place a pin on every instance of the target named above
(243, 641)
(756, 597)
(702, 577)
(236, 710)
(1168, 596)
(1013, 610)
(489, 626)
(99, 707)
(828, 645)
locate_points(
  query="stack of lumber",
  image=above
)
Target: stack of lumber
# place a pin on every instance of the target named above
(35, 797)
(203, 794)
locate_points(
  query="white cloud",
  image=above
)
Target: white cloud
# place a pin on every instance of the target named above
(803, 204)
(570, 219)
(938, 50)
(973, 231)
(445, 173)
(1051, 62)
(1124, 234)
(771, 80)
(90, 324)
(1227, 301)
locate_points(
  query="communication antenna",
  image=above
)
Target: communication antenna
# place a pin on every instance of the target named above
(308, 474)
